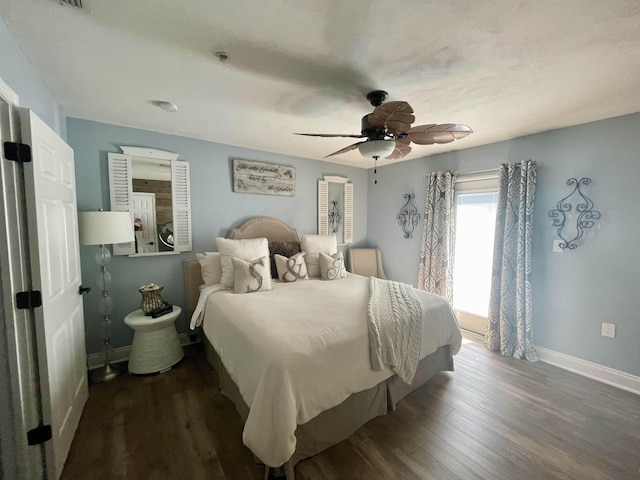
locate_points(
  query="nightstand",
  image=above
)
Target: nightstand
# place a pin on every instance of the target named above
(156, 346)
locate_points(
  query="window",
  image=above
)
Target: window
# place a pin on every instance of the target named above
(476, 203)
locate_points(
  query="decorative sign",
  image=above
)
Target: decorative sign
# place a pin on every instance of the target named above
(264, 178)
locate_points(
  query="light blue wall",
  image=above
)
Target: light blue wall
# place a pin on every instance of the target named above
(574, 292)
(215, 209)
(24, 80)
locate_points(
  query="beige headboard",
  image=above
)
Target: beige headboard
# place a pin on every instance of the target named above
(270, 228)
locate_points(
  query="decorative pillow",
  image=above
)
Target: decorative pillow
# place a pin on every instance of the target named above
(211, 267)
(292, 268)
(286, 249)
(251, 276)
(332, 266)
(312, 245)
(247, 249)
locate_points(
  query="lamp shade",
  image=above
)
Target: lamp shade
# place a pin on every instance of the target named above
(377, 148)
(105, 228)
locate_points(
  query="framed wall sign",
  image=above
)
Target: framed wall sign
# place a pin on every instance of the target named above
(263, 178)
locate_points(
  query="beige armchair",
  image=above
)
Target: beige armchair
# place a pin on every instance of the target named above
(366, 262)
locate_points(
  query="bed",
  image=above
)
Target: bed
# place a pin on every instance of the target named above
(295, 360)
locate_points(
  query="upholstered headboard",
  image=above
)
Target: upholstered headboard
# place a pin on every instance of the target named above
(270, 228)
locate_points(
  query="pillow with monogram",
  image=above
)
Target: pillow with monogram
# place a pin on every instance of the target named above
(286, 249)
(292, 268)
(251, 276)
(312, 245)
(332, 266)
(247, 249)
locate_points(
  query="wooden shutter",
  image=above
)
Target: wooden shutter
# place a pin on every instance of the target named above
(121, 194)
(348, 213)
(323, 207)
(181, 204)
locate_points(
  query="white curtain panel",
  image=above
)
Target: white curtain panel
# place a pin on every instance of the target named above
(435, 273)
(510, 318)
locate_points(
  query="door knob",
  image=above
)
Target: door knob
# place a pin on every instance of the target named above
(82, 290)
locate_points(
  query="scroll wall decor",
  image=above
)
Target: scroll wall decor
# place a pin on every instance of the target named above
(577, 205)
(334, 216)
(408, 217)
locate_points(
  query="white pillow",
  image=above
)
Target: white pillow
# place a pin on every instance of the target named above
(312, 245)
(247, 249)
(292, 268)
(211, 267)
(332, 266)
(251, 276)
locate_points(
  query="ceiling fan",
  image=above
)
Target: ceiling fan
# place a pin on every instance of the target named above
(388, 131)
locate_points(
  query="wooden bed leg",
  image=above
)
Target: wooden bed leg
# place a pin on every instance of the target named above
(288, 471)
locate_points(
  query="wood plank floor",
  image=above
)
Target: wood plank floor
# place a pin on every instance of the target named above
(493, 418)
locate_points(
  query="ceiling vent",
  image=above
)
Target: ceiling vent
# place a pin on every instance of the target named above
(72, 3)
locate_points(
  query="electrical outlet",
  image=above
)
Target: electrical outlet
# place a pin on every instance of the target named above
(608, 330)
(556, 246)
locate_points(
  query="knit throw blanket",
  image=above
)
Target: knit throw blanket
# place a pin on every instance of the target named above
(395, 327)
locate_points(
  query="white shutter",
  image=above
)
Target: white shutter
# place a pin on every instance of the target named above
(348, 213)
(323, 207)
(181, 204)
(121, 194)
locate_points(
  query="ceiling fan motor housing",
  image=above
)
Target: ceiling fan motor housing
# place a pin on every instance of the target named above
(372, 133)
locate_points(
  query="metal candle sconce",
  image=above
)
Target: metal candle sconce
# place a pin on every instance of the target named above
(334, 216)
(408, 217)
(584, 209)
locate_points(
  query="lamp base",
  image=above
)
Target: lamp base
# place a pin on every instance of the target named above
(106, 373)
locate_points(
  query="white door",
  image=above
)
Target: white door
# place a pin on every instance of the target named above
(144, 212)
(55, 265)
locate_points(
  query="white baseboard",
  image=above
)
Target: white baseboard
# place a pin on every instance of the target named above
(610, 376)
(121, 354)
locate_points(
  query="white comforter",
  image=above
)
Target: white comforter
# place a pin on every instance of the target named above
(303, 348)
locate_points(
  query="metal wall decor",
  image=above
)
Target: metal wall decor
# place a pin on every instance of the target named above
(408, 217)
(576, 202)
(334, 216)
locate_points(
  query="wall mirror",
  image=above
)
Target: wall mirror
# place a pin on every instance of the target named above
(335, 208)
(153, 186)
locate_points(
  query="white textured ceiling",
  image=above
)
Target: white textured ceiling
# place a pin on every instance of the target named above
(506, 68)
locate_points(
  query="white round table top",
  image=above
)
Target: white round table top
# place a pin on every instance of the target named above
(138, 318)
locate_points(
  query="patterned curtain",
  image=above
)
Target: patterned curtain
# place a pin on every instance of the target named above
(436, 256)
(510, 319)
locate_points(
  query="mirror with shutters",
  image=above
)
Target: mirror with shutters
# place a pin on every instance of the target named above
(335, 208)
(153, 186)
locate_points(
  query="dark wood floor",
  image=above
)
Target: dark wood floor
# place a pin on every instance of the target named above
(493, 418)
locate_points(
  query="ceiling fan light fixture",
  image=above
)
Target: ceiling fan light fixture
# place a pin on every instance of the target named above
(377, 148)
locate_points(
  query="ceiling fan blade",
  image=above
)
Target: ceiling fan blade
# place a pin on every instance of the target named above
(401, 151)
(432, 133)
(330, 135)
(345, 149)
(397, 117)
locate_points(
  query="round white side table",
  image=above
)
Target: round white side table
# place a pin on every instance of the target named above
(156, 346)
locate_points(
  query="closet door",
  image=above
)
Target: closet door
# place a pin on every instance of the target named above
(54, 251)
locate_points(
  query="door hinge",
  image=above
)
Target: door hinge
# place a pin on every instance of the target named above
(30, 299)
(17, 152)
(39, 435)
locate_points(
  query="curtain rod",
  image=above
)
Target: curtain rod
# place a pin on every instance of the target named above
(489, 173)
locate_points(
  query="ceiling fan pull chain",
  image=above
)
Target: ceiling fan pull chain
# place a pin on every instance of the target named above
(375, 170)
